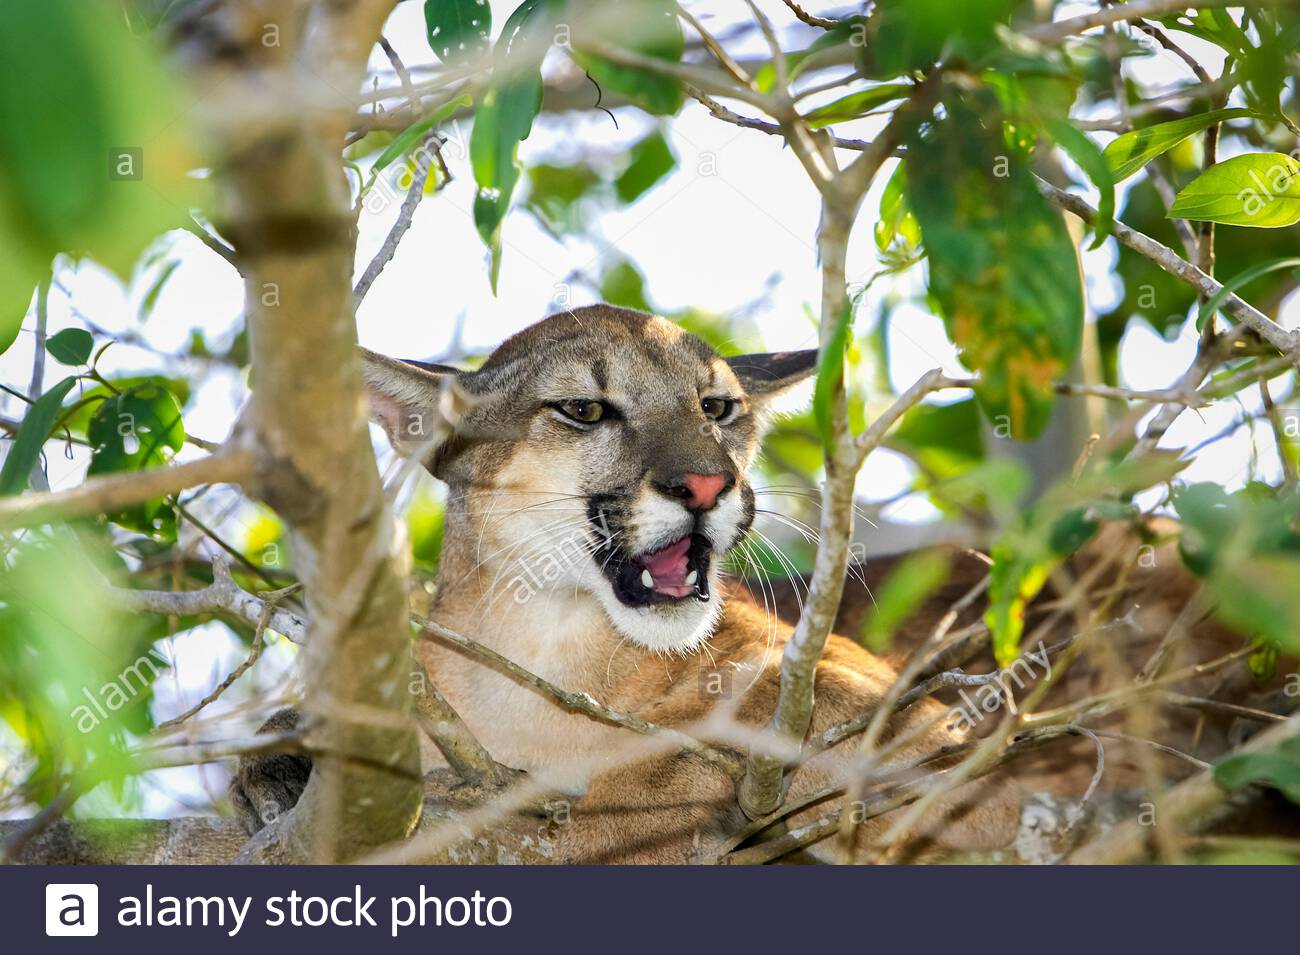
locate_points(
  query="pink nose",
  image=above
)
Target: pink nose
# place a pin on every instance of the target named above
(704, 489)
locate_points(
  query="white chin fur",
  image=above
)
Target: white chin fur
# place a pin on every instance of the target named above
(665, 628)
(678, 627)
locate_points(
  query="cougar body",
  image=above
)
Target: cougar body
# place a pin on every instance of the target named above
(596, 466)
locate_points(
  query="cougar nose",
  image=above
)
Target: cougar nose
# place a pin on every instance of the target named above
(699, 492)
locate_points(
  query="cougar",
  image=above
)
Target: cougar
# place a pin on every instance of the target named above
(597, 479)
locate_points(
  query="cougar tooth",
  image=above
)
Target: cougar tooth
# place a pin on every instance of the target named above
(647, 581)
(692, 577)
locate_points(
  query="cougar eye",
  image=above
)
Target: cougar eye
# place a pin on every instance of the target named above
(581, 410)
(716, 408)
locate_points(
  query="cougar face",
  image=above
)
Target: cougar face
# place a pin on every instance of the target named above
(601, 449)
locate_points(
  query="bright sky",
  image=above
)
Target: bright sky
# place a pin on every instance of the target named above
(734, 224)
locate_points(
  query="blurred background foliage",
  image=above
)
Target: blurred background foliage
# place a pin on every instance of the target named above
(89, 104)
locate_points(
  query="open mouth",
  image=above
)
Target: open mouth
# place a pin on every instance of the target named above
(674, 572)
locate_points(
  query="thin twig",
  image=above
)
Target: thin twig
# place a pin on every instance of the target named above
(932, 381)
(718, 111)
(1050, 33)
(1284, 341)
(1285, 450)
(466, 756)
(583, 703)
(779, 64)
(720, 54)
(1163, 39)
(1076, 812)
(425, 155)
(206, 237)
(1151, 743)
(259, 640)
(111, 493)
(1161, 395)
(824, 23)
(1194, 803)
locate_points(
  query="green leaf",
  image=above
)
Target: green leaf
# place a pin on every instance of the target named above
(651, 159)
(72, 346)
(91, 682)
(1014, 580)
(58, 155)
(651, 28)
(35, 430)
(1213, 26)
(830, 376)
(908, 585)
(622, 284)
(1133, 150)
(1260, 596)
(896, 217)
(504, 120)
(1246, 548)
(1278, 767)
(1034, 84)
(555, 194)
(77, 418)
(1210, 518)
(135, 430)
(425, 525)
(1003, 268)
(1237, 281)
(1090, 159)
(855, 104)
(457, 28)
(1056, 525)
(1265, 68)
(1261, 190)
(903, 36)
(946, 440)
(99, 163)
(408, 137)
(140, 428)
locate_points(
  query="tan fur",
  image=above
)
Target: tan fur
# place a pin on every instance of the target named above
(522, 571)
(661, 808)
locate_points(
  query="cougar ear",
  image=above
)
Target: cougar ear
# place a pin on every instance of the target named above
(417, 403)
(768, 375)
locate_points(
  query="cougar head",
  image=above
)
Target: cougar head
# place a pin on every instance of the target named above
(601, 449)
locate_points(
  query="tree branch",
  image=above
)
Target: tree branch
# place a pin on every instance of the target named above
(824, 23)
(425, 155)
(223, 596)
(932, 381)
(516, 838)
(583, 703)
(1284, 341)
(718, 111)
(1049, 33)
(286, 208)
(101, 495)
(1192, 804)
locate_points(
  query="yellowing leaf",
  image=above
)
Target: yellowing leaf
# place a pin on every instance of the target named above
(1003, 268)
